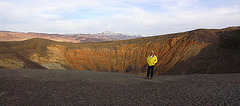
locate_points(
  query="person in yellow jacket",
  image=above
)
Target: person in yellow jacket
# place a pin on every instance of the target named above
(151, 61)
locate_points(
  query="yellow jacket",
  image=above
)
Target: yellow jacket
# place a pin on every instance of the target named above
(152, 61)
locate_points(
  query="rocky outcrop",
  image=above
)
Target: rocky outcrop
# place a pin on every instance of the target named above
(11, 64)
(55, 59)
(181, 53)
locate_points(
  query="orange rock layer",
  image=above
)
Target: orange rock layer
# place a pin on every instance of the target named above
(132, 57)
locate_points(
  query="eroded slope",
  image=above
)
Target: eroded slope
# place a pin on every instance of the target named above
(175, 52)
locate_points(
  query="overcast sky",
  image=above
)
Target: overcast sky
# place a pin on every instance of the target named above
(147, 17)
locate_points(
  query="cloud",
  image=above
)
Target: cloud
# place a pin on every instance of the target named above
(149, 17)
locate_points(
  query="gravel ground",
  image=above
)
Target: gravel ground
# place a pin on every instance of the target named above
(58, 87)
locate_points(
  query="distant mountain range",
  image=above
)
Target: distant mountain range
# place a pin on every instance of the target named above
(112, 33)
(75, 38)
(203, 51)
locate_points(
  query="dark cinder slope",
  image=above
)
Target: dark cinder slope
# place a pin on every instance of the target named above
(65, 87)
(222, 56)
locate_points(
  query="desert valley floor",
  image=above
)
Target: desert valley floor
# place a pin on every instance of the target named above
(61, 87)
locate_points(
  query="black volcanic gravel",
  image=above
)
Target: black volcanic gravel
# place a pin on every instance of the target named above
(59, 87)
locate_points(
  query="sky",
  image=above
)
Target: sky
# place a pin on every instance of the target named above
(142, 17)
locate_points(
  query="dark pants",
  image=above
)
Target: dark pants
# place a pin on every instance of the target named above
(150, 68)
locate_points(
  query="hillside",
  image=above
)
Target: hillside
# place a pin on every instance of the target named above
(75, 38)
(197, 51)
